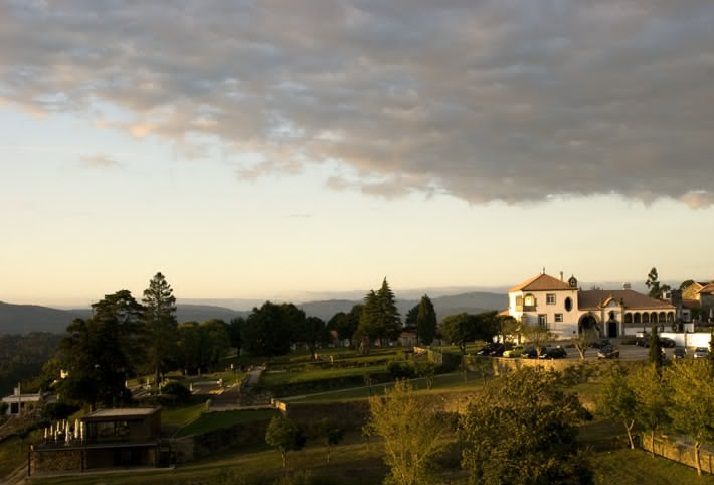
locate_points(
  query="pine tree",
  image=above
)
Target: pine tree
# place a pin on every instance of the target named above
(161, 326)
(426, 321)
(389, 321)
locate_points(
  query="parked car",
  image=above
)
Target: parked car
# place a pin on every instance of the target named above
(701, 353)
(608, 352)
(667, 342)
(679, 353)
(492, 350)
(531, 352)
(642, 342)
(516, 351)
(600, 344)
(556, 352)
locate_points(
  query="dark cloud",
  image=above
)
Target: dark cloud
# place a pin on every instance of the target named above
(494, 100)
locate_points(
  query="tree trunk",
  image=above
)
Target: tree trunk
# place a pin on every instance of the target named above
(653, 444)
(697, 446)
(285, 459)
(629, 433)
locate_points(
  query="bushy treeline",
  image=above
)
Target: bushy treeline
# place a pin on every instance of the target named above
(22, 357)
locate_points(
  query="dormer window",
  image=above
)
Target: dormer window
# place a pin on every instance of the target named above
(573, 282)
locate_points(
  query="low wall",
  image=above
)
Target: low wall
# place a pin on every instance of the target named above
(689, 339)
(679, 451)
(55, 461)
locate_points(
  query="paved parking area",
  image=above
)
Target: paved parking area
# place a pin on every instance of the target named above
(627, 352)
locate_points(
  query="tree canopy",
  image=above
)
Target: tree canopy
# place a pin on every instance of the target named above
(426, 321)
(161, 326)
(522, 429)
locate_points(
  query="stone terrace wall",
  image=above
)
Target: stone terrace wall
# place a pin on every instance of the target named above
(679, 451)
(55, 461)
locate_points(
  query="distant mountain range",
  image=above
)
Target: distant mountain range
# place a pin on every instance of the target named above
(471, 302)
(23, 319)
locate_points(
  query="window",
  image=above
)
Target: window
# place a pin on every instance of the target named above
(519, 303)
(550, 299)
(568, 304)
(558, 318)
(543, 321)
(529, 300)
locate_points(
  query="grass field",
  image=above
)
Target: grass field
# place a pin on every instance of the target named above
(357, 461)
(208, 422)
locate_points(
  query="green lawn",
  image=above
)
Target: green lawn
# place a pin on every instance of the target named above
(13, 453)
(454, 382)
(207, 422)
(175, 418)
(635, 467)
(353, 463)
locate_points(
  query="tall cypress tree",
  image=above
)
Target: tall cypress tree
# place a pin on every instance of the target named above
(161, 326)
(655, 355)
(426, 321)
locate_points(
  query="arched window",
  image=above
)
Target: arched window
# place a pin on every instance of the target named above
(638, 318)
(529, 300)
(653, 317)
(662, 317)
(628, 317)
(645, 318)
(568, 304)
(670, 317)
(611, 316)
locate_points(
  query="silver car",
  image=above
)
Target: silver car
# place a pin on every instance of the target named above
(701, 353)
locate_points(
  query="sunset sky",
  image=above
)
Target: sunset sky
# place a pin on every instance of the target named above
(282, 149)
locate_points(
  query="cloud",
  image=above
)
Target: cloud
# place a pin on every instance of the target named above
(496, 100)
(98, 161)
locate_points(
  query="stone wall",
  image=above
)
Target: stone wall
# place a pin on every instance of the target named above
(55, 461)
(679, 451)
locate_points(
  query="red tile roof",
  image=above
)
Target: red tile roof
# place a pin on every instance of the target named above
(632, 300)
(541, 282)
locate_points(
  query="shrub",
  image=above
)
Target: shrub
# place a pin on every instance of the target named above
(58, 410)
(180, 392)
(401, 370)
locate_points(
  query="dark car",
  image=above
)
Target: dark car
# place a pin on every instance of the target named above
(530, 353)
(679, 353)
(492, 350)
(556, 352)
(600, 344)
(642, 342)
(608, 352)
(667, 342)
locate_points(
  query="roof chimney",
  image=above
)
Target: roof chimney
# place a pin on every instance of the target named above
(561, 276)
(627, 285)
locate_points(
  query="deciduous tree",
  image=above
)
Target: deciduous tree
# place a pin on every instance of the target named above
(425, 321)
(692, 403)
(411, 430)
(522, 429)
(100, 352)
(331, 434)
(619, 402)
(285, 435)
(652, 397)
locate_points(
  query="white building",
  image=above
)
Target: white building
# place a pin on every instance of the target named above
(565, 309)
(17, 401)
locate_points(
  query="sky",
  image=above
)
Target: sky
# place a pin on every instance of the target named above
(289, 148)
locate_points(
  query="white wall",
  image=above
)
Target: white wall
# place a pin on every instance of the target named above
(692, 339)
